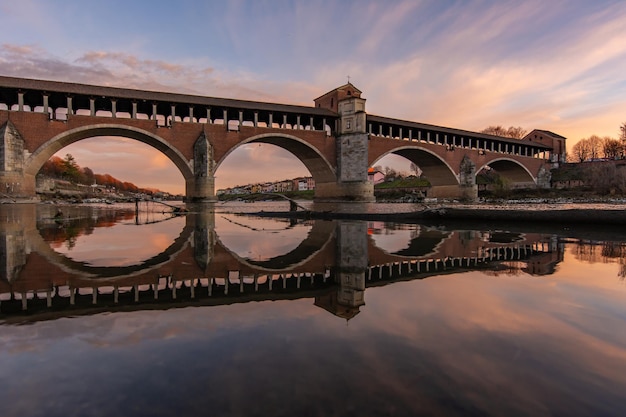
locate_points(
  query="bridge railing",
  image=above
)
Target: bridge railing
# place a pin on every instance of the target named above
(453, 139)
(63, 100)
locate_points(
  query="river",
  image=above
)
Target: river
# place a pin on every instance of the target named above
(107, 311)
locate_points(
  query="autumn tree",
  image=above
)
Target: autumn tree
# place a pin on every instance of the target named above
(89, 176)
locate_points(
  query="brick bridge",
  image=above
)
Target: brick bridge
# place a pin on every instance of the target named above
(336, 139)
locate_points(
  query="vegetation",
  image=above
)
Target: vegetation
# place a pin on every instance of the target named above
(404, 182)
(511, 132)
(67, 169)
(596, 148)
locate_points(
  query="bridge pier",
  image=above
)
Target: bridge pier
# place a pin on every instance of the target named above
(200, 189)
(353, 191)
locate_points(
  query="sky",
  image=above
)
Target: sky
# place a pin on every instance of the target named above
(557, 65)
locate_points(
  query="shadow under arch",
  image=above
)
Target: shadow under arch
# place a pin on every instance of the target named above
(36, 160)
(319, 236)
(321, 170)
(434, 168)
(40, 246)
(511, 169)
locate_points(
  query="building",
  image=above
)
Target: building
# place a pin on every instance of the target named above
(375, 176)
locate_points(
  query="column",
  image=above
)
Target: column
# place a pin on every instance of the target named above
(256, 119)
(69, 105)
(284, 126)
(92, 106)
(190, 114)
(20, 101)
(46, 107)
(240, 119)
(133, 113)
(113, 108)
(173, 111)
(225, 117)
(311, 123)
(271, 120)
(208, 116)
(154, 112)
(297, 122)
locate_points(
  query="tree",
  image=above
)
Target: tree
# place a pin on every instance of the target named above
(415, 169)
(89, 176)
(580, 151)
(612, 148)
(390, 174)
(70, 168)
(516, 132)
(511, 132)
(595, 146)
(495, 130)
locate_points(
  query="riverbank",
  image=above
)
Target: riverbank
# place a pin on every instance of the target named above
(521, 212)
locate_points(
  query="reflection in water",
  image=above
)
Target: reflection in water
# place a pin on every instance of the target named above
(506, 323)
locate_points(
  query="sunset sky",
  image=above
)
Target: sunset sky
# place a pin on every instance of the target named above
(557, 65)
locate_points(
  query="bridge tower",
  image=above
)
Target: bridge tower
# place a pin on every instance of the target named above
(352, 146)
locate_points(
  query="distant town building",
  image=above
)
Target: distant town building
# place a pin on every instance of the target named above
(284, 186)
(375, 176)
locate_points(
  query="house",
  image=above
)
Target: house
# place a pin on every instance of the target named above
(375, 176)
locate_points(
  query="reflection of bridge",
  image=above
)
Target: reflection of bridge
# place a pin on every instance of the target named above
(197, 268)
(336, 140)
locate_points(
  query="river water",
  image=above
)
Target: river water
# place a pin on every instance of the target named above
(107, 311)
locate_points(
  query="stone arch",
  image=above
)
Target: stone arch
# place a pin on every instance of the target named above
(320, 168)
(36, 160)
(511, 169)
(435, 168)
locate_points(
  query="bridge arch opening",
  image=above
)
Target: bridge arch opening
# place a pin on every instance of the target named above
(154, 152)
(513, 171)
(430, 166)
(254, 161)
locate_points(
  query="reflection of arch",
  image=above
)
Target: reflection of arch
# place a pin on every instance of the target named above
(45, 151)
(319, 167)
(435, 169)
(95, 272)
(425, 243)
(511, 169)
(320, 234)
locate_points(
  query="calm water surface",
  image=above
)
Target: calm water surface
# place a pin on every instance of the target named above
(107, 312)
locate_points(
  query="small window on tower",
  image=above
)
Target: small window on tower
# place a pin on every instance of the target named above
(349, 92)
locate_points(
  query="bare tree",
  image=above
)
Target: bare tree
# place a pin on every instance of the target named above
(516, 132)
(495, 130)
(511, 132)
(415, 169)
(612, 148)
(580, 151)
(595, 146)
